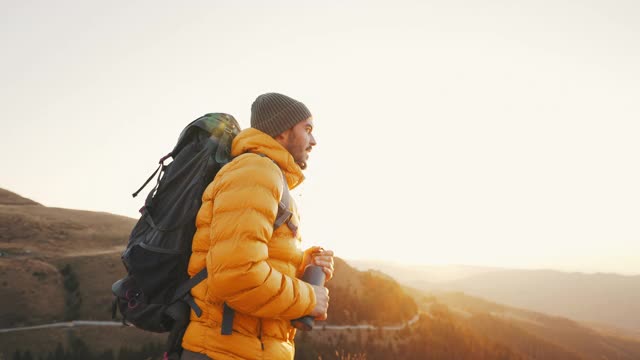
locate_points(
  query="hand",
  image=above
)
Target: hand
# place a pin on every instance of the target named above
(319, 312)
(324, 259)
(316, 255)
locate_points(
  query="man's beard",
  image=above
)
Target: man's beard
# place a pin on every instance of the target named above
(291, 146)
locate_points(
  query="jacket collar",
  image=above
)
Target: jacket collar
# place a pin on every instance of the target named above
(257, 142)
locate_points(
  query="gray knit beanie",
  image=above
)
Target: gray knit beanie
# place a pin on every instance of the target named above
(274, 113)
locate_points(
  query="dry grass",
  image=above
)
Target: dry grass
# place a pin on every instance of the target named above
(31, 292)
(95, 275)
(42, 231)
(37, 241)
(98, 338)
(9, 198)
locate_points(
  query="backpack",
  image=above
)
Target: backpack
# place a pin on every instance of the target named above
(155, 295)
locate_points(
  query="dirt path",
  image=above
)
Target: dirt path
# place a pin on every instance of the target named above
(371, 327)
(75, 323)
(79, 323)
(95, 252)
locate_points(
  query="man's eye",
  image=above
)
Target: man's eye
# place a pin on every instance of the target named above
(309, 130)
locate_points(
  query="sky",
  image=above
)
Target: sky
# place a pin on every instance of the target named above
(490, 133)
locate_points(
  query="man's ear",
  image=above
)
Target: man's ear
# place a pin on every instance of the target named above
(283, 136)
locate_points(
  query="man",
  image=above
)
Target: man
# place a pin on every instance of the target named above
(252, 267)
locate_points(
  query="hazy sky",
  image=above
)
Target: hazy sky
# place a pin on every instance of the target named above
(499, 133)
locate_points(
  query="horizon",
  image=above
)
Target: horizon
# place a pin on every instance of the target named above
(453, 132)
(357, 262)
(417, 266)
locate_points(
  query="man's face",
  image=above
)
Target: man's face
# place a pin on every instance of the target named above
(299, 141)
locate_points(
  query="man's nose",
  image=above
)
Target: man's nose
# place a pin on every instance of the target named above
(313, 140)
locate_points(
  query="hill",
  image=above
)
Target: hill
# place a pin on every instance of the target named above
(534, 334)
(366, 297)
(10, 198)
(599, 298)
(45, 253)
(604, 300)
(58, 265)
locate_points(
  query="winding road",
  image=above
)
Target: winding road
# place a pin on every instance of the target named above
(79, 323)
(69, 324)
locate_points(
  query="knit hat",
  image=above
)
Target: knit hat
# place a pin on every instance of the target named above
(274, 113)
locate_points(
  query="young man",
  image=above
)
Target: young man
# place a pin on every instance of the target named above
(251, 266)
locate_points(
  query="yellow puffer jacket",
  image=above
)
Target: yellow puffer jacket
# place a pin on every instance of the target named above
(251, 266)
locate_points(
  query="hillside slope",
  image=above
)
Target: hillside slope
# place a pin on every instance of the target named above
(534, 334)
(44, 252)
(59, 264)
(10, 198)
(601, 298)
(608, 300)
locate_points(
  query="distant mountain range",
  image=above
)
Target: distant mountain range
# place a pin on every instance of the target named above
(609, 300)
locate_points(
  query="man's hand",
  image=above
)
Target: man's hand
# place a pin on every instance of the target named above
(322, 302)
(324, 258)
(320, 257)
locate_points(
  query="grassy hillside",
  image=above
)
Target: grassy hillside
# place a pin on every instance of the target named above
(367, 298)
(55, 264)
(602, 298)
(87, 340)
(436, 337)
(536, 334)
(39, 231)
(608, 301)
(58, 265)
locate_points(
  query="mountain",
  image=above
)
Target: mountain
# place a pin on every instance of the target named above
(535, 334)
(458, 326)
(367, 297)
(10, 198)
(45, 252)
(604, 300)
(58, 265)
(599, 298)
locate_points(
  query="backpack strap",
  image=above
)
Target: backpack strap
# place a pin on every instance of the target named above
(186, 286)
(183, 292)
(284, 214)
(161, 162)
(227, 319)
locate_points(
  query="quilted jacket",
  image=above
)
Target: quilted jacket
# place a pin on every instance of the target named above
(251, 266)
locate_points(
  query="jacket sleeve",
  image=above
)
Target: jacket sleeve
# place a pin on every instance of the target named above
(244, 210)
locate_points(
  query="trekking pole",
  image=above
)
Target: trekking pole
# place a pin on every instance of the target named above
(314, 275)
